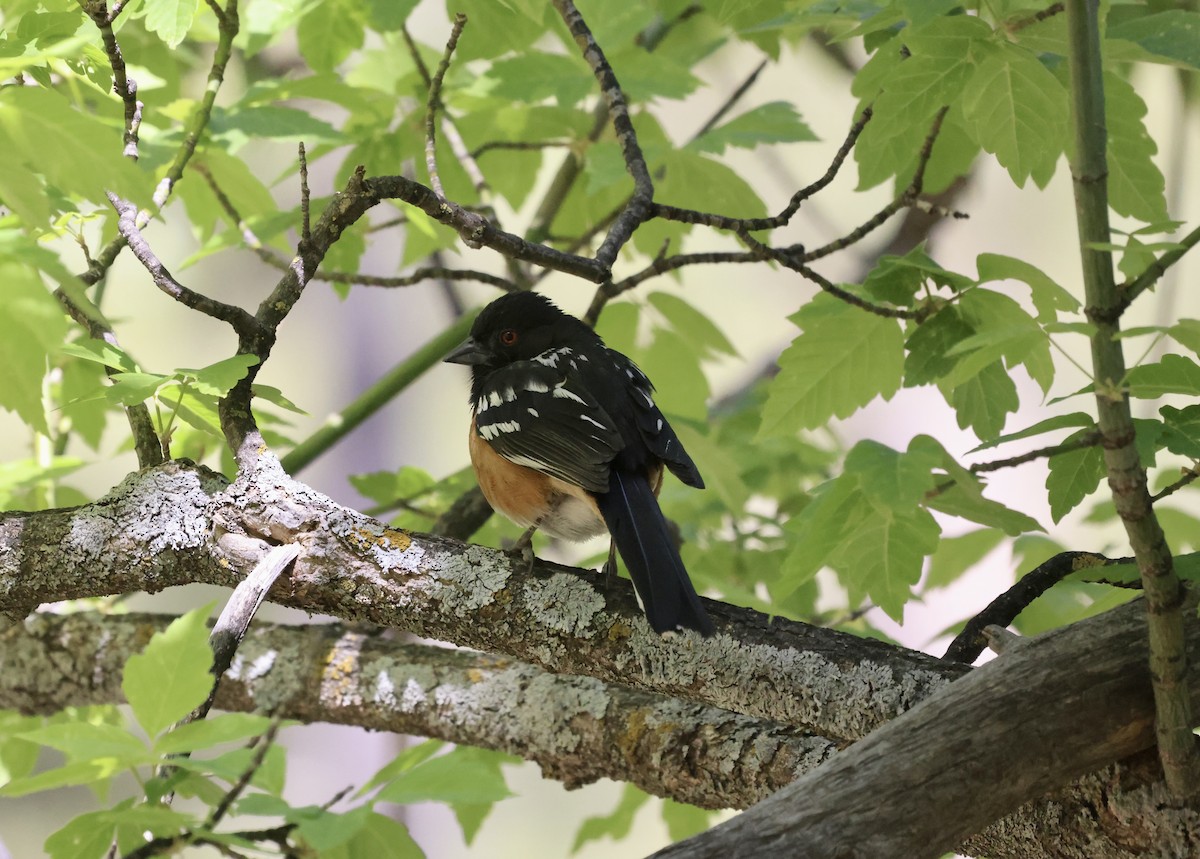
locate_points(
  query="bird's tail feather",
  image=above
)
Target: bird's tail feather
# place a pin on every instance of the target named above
(640, 531)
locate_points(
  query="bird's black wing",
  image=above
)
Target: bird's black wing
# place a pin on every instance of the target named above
(540, 414)
(656, 433)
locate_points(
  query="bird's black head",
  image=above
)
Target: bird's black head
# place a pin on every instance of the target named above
(516, 327)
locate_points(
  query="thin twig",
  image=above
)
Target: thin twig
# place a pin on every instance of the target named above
(734, 98)
(638, 208)
(661, 265)
(791, 261)
(1131, 289)
(431, 105)
(262, 745)
(1090, 439)
(722, 222)
(1189, 476)
(124, 86)
(241, 321)
(305, 212)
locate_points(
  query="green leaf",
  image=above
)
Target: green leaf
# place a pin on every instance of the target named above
(843, 359)
(683, 820)
(172, 675)
(77, 154)
(1173, 34)
(1018, 112)
(70, 775)
(897, 279)
(1135, 184)
(1182, 435)
(131, 388)
(455, 778)
(1072, 420)
(212, 731)
(323, 830)
(1186, 332)
(984, 401)
(100, 352)
(956, 555)
(389, 15)
(242, 124)
(1048, 297)
(696, 328)
(32, 326)
(403, 762)
(1174, 374)
(773, 122)
(217, 379)
(386, 487)
(615, 825)
(84, 741)
(1073, 476)
(681, 387)
(534, 76)
(329, 32)
(83, 836)
(1001, 330)
(940, 59)
(966, 501)
(894, 480)
(884, 555)
(721, 469)
(380, 838)
(170, 19)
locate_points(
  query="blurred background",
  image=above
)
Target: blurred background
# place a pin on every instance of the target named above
(331, 348)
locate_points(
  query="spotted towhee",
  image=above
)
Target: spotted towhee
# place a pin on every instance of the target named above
(565, 437)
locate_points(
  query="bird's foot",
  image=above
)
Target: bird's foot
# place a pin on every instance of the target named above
(522, 549)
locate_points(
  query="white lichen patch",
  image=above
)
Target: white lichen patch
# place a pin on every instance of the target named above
(467, 581)
(249, 669)
(413, 696)
(564, 602)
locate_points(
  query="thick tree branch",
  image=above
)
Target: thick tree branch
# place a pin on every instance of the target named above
(576, 728)
(1058, 707)
(178, 524)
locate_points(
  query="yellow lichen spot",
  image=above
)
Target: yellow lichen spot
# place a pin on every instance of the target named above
(620, 631)
(395, 540)
(476, 676)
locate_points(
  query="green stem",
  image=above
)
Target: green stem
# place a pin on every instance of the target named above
(378, 395)
(1126, 477)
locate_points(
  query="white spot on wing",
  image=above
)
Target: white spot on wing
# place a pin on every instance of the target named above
(536, 387)
(593, 422)
(562, 393)
(493, 431)
(494, 398)
(533, 413)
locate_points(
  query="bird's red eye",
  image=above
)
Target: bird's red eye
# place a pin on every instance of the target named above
(509, 336)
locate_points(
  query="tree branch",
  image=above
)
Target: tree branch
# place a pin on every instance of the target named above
(1126, 477)
(1062, 705)
(826, 682)
(637, 209)
(576, 728)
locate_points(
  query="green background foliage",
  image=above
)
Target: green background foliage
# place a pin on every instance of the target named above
(809, 513)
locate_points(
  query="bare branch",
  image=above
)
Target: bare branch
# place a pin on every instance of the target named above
(567, 621)
(638, 207)
(1003, 610)
(435, 94)
(241, 321)
(578, 730)
(124, 86)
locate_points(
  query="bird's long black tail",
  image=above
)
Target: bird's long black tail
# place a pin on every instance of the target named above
(640, 531)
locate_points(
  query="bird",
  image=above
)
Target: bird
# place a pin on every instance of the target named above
(565, 437)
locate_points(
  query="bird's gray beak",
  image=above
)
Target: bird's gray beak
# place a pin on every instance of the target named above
(469, 353)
